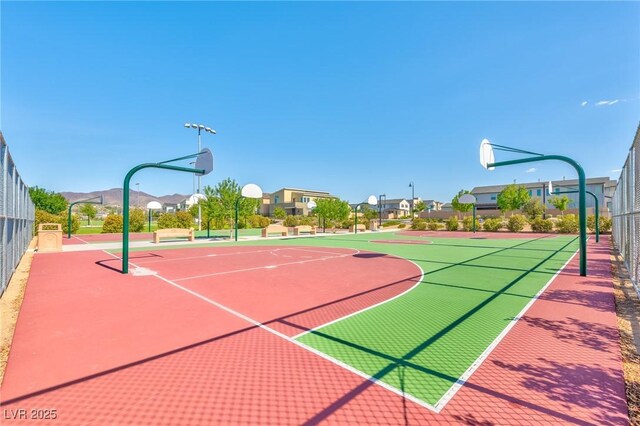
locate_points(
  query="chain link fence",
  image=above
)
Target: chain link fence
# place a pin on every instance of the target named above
(16, 216)
(626, 212)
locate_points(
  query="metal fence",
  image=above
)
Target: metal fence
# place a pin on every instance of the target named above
(16, 216)
(626, 212)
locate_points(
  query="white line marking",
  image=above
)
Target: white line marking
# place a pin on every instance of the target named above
(484, 355)
(299, 262)
(78, 238)
(369, 307)
(203, 256)
(299, 344)
(270, 267)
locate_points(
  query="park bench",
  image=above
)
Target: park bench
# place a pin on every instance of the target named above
(361, 227)
(173, 233)
(304, 228)
(275, 229)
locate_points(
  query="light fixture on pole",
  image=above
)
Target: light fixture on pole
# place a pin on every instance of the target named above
(200, 128)
(372, 201)
(250, 190)
(413, 197)
(487, 160)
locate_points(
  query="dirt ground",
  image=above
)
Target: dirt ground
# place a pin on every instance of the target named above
(628, 309)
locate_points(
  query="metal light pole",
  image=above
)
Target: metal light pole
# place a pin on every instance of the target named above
(412, 186)
(138, 194)
(200, 128)
(380, 197)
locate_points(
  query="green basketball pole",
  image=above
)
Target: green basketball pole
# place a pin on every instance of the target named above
(582, 191)
(125, 197)
(88, 201)
(597, 207)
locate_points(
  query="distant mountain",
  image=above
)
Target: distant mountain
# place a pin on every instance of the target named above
(113, 197)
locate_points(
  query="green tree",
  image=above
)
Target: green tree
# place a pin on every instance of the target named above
(459, 207)
(533, 209)
(369, 213)
(279, 213)
(90, 211)
(560, 203)
(333, 209)
(513, 197)
(49, 201)
(419, 207)
(220, 205)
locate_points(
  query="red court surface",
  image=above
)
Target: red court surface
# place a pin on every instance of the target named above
(104, 348)
(105, 238)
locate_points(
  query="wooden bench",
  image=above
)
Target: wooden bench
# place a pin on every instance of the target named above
(173, 233)
(275, 229)
(361, 227)
(304, 228)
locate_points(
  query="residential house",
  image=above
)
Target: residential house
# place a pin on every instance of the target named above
(293, 200)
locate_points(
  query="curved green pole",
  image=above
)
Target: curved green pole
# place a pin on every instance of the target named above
(236, 219)
(582, 190)
(125, 203)
(595, 199)
(73, 204)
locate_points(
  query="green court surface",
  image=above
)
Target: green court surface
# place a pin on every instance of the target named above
(425, 342)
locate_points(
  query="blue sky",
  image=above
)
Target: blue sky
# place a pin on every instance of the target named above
(352, 98)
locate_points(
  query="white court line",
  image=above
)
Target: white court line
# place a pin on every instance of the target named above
(78, 238)
(299, 262)
(354, 370)
(369, 307)
(205, 255)
(442, 402)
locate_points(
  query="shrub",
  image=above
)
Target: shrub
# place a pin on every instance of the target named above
(605, 224)
(467, 223)
(567, 224)
(308, 220)
(402, 225)
(291, 221)
(452, 224)
(75, 223)
(257, 221)
(112, 224)
(391, 223)
(42, 216)
(541, 225)
(185, 220)
(168, 220)
(433, 226)
(533, 209)
(492, 225)
(418, 224)
(136, 220)
(516, 223)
